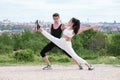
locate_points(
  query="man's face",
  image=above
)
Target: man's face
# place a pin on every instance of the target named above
(56, 19)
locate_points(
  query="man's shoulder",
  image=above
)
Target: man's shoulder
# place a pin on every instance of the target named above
(62, 26)
(51, 24)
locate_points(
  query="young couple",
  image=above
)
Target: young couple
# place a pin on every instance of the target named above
(61, 36)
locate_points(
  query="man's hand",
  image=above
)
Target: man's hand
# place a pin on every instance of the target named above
(63, 26)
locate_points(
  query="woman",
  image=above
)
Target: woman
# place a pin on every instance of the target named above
(64, 43)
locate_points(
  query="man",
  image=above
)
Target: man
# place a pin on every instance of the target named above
(55, 30)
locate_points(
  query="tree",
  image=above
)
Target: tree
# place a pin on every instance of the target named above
(17, 41)
(6, 43)
(99, 41)
(86, 37)
(114, 47)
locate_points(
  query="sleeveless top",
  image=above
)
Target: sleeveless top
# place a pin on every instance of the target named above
(68, 32)
(56, 32)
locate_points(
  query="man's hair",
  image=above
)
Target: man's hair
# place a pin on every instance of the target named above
(56, 15)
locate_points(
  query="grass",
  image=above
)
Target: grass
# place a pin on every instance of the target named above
(8, 59)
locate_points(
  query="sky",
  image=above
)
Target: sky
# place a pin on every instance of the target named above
(85, 10)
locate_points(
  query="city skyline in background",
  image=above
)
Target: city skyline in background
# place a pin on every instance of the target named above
(86, 11)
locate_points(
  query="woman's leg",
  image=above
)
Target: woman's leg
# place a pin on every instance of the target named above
(79, 60)
(51, 38)
(71, 52)
(76, 57)
(70, 56)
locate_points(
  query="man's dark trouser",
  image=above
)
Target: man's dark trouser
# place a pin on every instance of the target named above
(50, 46)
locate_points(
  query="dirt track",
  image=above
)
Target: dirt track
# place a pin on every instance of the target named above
(59, 72)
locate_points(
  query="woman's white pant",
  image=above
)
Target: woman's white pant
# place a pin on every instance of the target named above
(65, 45)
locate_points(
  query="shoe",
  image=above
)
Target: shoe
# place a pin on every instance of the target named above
(48, 67)
(90, 67)
(80, 67)
(38, 26)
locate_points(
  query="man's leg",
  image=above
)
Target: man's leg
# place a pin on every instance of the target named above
(47, 48)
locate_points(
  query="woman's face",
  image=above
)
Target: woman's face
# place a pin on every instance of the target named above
(70, 23)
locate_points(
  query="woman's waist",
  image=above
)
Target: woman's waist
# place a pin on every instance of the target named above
(66, 38)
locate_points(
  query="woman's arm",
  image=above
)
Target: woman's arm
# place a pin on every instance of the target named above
(86, 28)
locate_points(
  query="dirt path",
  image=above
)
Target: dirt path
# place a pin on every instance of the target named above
(59, 72)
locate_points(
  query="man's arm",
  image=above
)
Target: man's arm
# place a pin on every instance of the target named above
(63, 26)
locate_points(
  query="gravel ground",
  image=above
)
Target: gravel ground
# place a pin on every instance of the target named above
(59, 72)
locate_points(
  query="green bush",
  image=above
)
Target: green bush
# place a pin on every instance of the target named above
(16, 38)
(62, 60)
(102, 52)
(6, 39)
(34, 41)
(98, 42)
(33, 45)
(114, 47)
(118, 57)
(76, 42)
(52, 59)
(6, 43)
(24, 55)
(86, 37)
(87, 54)
(5, 49)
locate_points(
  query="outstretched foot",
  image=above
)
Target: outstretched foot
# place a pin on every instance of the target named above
(90, 68)
(80, 67)
(38, 26)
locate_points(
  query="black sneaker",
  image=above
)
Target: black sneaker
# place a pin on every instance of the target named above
(38, 26)
(80, 67)
(48, 67)
(90, 68)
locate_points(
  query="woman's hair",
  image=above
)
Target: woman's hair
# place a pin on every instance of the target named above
(76, 25)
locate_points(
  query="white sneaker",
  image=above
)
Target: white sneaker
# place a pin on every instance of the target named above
(80, 67)
(48, 67)
(90, 67)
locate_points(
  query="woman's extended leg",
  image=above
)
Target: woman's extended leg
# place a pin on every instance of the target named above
(79, 60)
(51, 38)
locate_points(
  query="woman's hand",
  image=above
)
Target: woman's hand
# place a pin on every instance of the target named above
(87, 28)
